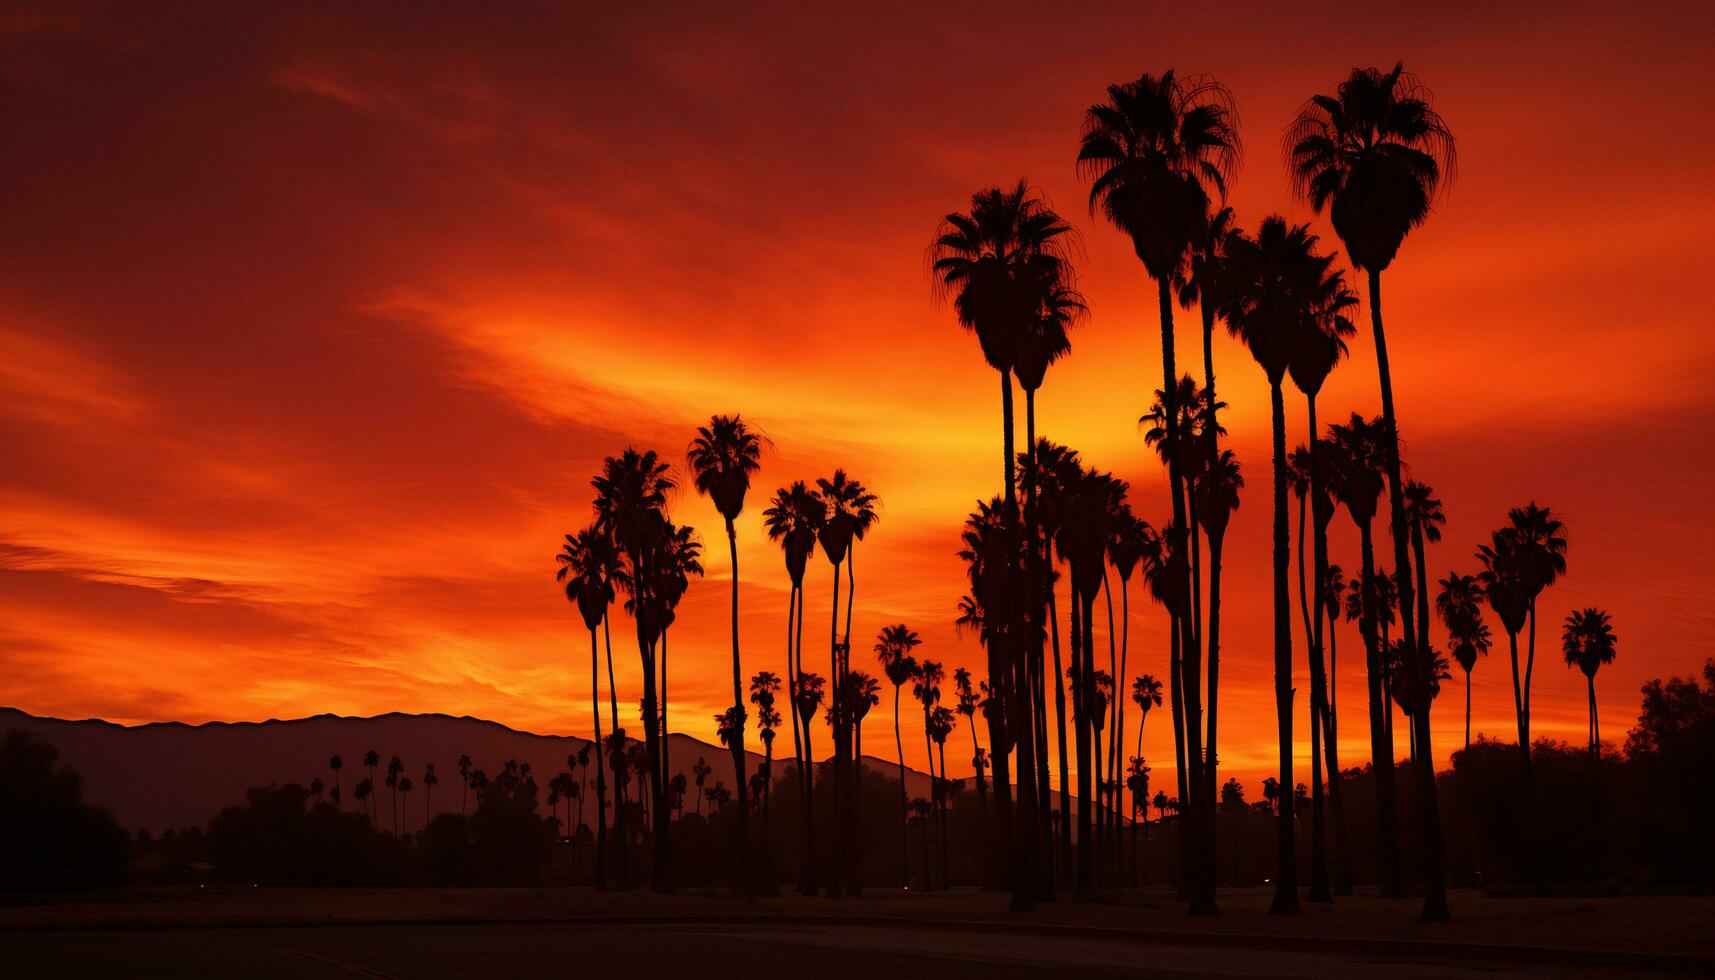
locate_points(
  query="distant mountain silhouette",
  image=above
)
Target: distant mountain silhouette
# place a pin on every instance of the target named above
(170, 774)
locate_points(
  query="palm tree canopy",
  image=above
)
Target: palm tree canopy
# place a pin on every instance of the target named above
(1045, 337)
(1158, 152)
(1218, 494)
(793, 518)
(1001, 262)
(1133, 541)
(590, 568)
(1194, 414)
(893, 646)
(1374, 155)
(1356, 451)
(1588, 640)
(631, 496)
(1146, 692)
(1423, 513)
(850, 514)
(722, 458)
(1281, 294)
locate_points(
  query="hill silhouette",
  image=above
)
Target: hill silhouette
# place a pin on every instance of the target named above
(171, 774)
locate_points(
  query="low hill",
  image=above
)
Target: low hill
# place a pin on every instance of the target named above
(170, 774)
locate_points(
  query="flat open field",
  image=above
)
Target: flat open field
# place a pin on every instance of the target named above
(446, 932)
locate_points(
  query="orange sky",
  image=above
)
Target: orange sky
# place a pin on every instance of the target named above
(312, 331)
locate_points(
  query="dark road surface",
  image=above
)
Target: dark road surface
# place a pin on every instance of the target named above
(820, 952)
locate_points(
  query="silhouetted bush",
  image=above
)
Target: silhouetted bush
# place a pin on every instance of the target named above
(50, 839)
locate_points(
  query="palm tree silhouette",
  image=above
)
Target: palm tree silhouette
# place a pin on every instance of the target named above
(964, 684)
(316, 787)
(1043, 341)
(793, 518)
(1460, 606)
(590, 569)
(371, 759)
(464, 762)
(1285, 285)
(1312, 360)
(850, 514)
(1159, 152)
(1004, 264)
(630, 505)
(722, 458)
(395, 769)
(1375, 155)
(430, 781)
(1133, 541)
(764, 687)
(893, 646)
(926, 688)
(1355, 452)
(700, 771)
(1588, 642)
(361, 793)
(405, 804)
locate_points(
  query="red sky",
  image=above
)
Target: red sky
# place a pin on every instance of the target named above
(314, 327)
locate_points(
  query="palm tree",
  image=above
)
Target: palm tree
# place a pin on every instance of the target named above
(722, 458)
(793, 518)
(1375, 155)
(1004, 265)
(811, 692)
(1313, 360)
(1424, 516)
(395, 769)
(1276, 311)
(430, 781)
(336, 763)
(1355, 450)
(893, 646)
(764, 687)
(1539, 540)
(405, 805)
(1217, 497)
(589, 567)
(1460, 605)
(371, 759)
(630, 504)
(1133, 541)
(361, 793)
(969, 701)
(850, 514)
(464, 760)
(1588, 642)
(1159, 152)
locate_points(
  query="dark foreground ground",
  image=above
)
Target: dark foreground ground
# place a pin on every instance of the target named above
(259, 934)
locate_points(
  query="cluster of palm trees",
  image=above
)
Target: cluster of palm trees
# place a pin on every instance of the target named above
(366, 794)
(1160, 153)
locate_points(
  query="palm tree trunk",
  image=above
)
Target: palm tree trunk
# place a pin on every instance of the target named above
(851, 763)
(1110, 809)
(1381, 747)
(741, 884)
(904, 797)
(1060, 729)
(1175, 686)
(1286, 859)
(836, 880)
(600, 781)
(621, 850)
(1202, 893)
(1595, 730)
(1213, 759)
(1034, 654)
(807, 883)
(1027, 878)
(1081, 690)
(792, 692)
(1119, 726)
(1434, 870)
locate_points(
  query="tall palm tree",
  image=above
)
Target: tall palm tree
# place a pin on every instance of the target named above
(1276, 310)
(630, 505)
(970, 699)
(464, 760)
(590, 569)
(1460, 606)
(926, 688)
(722, 457)
(1134, 541)
(1003, 263)
(893, 646)
(361, 792)
(336, 763)
(793, 517)
(1539, 544)
(1043, 340)
(1375, 155)
(371, 759)
(850, 514)
(1217, 498)
(1159, 152)
(1588, 642)
(1355, 452)
(430, 781)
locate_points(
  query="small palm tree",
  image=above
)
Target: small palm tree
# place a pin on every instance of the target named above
(589, 566)
(764, 688)
(793, 518)
(405, 804)
(723, 457)
(317, 787)
(1588, 642)
(700, 770)
(464, 762)
(893, 646)
(1460, 606)
(430, 781)
(336, 763)
(395, 769)
(361, 793)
